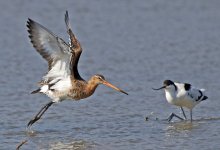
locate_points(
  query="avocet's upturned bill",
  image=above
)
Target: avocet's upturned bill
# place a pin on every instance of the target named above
(182, 95)
(62, 81)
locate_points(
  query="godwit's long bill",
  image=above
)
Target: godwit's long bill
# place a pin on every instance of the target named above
(62, 81)
(182, 95)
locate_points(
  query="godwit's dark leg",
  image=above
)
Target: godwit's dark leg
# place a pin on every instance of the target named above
(39, 114)
(183, 113)
(174, 115)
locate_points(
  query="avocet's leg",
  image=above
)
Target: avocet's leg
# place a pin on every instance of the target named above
(191, 115)
(183, 113)
(173, 115)
(39, 114)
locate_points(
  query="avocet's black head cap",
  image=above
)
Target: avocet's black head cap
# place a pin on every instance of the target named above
(165, 84)
(168, 82)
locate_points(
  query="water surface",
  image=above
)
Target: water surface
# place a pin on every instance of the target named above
(135, 45)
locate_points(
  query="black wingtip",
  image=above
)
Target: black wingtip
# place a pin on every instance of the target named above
(29, 25)
(204, 98)
(67, 18)
(29, 21)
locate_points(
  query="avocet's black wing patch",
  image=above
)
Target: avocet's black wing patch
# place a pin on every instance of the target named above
(202, 97)
(187, 86)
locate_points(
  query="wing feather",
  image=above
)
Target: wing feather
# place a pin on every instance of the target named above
(51, 48)
(75, 48)
(62, 58)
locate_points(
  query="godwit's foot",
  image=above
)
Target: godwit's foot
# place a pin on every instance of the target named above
(39, 114)
(32, 121)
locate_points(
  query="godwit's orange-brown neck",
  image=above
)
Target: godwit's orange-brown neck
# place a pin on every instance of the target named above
(100, 79)
(62, 81)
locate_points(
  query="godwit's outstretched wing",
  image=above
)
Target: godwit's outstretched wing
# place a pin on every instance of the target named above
(62, 58)
(75, 47)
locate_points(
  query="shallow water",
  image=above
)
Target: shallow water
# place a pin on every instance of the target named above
(135, 45)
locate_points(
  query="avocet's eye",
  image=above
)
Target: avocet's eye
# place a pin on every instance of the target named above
(100, 78)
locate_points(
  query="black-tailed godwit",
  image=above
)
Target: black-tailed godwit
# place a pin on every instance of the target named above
(62, 81)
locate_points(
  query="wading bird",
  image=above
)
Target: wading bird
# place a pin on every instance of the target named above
(62, 81)
(182, 95)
